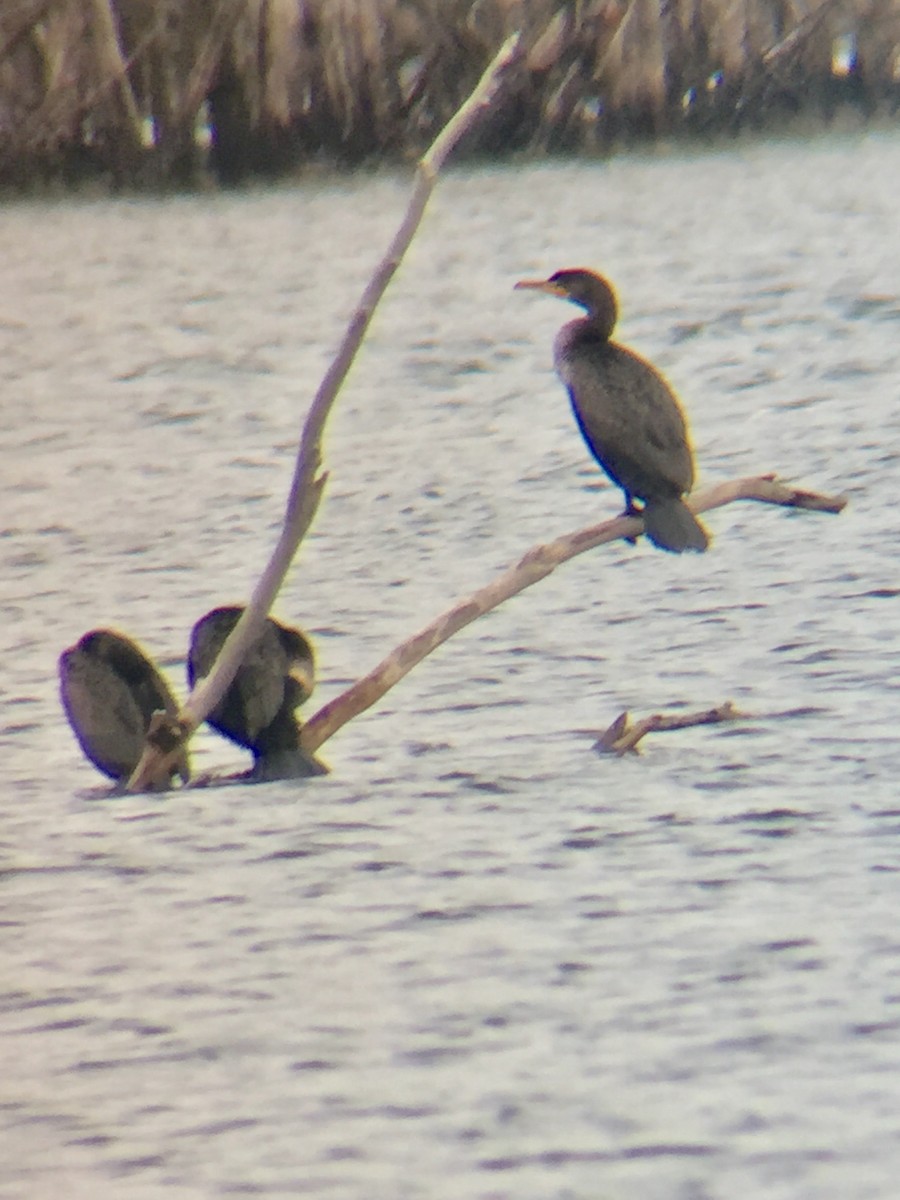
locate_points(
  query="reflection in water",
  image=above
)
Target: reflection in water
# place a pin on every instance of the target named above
(477, 960)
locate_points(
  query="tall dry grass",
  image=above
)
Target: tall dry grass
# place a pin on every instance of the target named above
(136, 89)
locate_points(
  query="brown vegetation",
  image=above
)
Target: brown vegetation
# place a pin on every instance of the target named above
(161, 92)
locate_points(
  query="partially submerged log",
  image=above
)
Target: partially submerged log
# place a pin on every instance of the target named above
(622, 738)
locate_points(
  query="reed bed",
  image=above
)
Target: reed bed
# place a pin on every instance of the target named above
(165, 92)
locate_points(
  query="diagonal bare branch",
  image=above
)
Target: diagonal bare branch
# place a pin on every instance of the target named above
(537, 563)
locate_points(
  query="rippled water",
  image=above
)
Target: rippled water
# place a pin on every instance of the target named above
(477, 961)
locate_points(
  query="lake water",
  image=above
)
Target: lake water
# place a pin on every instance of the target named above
(478, 961)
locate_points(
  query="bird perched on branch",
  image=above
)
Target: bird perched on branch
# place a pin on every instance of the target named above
(110, 689)
(627, 413)
(257, 711)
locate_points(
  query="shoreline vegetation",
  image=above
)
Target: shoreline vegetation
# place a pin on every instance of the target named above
(179, 93)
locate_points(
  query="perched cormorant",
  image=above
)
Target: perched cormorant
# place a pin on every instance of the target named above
(257, 711)
(627, 413)
(110, 690)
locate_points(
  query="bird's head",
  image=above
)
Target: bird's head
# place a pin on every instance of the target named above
(585, 288)
(302, 670)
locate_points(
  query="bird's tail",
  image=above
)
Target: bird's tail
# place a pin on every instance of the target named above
(671, 525)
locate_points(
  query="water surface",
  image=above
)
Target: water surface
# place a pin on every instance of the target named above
(478, 961)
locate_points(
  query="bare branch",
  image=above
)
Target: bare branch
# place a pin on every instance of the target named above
(430, 164)
(621, 738)
(537, 563)
(308, 482)
(610, 736)
(767, 489)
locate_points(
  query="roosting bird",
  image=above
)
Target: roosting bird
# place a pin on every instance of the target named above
(110, 690)
(627, 413)
(257, 711)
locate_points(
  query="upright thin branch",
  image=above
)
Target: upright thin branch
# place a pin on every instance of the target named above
(539, 562)
(308, 480)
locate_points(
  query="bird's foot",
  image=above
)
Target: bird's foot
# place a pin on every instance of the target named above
(631, 510)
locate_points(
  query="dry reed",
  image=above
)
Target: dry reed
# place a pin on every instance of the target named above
(139, 91)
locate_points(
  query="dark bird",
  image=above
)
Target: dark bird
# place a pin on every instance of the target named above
(627, 413)
(110, 690)
(257, 711)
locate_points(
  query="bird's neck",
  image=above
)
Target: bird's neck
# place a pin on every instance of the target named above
(583, 331)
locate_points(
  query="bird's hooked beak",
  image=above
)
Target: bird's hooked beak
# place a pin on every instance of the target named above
(542, 285)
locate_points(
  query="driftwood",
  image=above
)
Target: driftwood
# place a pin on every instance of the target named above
(622, 738)
(165, 737)
(539, 562)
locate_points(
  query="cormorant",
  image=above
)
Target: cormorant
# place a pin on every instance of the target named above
(626, 411)
(110, 690)
(257, 710)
